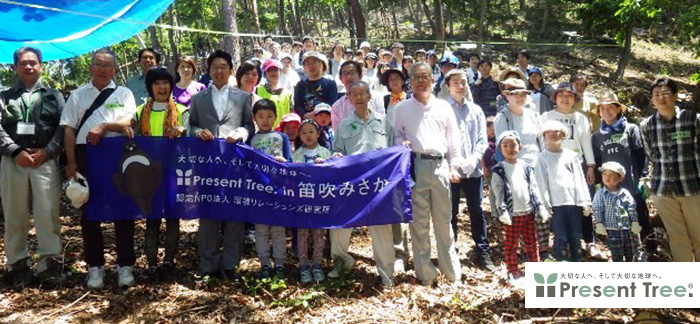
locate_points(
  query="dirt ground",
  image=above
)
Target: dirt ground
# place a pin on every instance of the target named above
(356, 297)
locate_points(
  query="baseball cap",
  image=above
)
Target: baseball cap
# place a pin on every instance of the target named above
(365, 44)
(614, 167)
(322, 107)
(271, 63)
(450, 59)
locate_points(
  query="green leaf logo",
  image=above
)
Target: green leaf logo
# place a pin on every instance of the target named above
(552, 278)
(539, 278)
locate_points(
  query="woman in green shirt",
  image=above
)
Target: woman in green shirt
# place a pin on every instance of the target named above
(160, 116)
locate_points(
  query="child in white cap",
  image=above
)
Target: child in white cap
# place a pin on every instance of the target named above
(518, 200)
(615, 213)
(564, 191)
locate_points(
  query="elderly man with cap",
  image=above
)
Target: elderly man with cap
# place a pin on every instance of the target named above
(429, 125)
(272, 90)
(30, 142)
(472, 130)
(447, 64)
(579, 141)
(315, 88)
(350, 71)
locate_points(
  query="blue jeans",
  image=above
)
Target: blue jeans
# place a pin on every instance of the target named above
(473, 189)
(566, 225)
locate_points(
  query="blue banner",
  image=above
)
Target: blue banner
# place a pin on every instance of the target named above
(154, 177)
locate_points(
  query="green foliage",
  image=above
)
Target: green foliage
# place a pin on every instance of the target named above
(613, 16)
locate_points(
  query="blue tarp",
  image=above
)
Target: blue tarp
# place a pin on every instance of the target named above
(65, 34)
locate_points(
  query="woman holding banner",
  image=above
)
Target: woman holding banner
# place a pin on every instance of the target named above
(160, 116)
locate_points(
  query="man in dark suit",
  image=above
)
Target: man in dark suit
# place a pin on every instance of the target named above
(221, 111)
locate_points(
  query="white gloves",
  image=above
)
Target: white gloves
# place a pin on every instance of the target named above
(505, 218)
(544, 215)
(587, 211)
(636, 229)
(600, 229)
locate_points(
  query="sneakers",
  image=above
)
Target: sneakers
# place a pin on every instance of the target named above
(593, 252)
(485, 263)
(96, 278)
(306, 276)
(516, 281)
(334, 274)
(264, 272)
(318, 275)
(399, 267)
(125, 276)
(279, 272)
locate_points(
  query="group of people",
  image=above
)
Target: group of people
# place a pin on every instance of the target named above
(542, 150)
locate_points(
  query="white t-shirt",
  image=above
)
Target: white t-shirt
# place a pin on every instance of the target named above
(119, 105)
(515, 173)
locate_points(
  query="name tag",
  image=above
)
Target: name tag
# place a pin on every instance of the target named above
(113, 105)
(25, 128)
(616, 138)
(680, 135)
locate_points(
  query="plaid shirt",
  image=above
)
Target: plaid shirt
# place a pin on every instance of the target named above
(616, 211)
(674, 149)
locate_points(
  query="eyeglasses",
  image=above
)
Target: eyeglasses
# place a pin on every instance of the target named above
(661, 94)
(420, 78)
(103, 66)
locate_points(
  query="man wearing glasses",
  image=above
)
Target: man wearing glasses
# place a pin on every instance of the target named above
(672, 142)
(429, 126)
(95, 110)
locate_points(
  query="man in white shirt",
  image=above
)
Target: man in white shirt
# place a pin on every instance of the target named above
(111, 118)
(429, 125)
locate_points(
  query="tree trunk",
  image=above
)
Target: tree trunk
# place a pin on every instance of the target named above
(396, 23)
(439, 25)
(300, 17)
(415, 14)
(171, 38)
(283, 25)
(696, 97)
(622, 65)
(450, 20)
(256, 17)
(351, 27)
(426, 9)
(154, 38)
(232, 43)
(359, 18)
(482, 18)
(545, 17)
(522, 4)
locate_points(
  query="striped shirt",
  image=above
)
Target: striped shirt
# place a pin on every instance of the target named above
(615, 210)
(673, 146)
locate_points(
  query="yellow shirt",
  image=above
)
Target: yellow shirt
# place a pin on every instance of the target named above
(158, 117)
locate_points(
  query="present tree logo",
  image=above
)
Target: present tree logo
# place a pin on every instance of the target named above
(184, 178)
(540, 289)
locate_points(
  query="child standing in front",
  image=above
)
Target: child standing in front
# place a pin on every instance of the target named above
(276, 145)
(564, 191)
(518, 201)
(310, 150)
(615, 213)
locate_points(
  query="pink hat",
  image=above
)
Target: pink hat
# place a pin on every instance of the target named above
(288, 118)
(270, 63)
